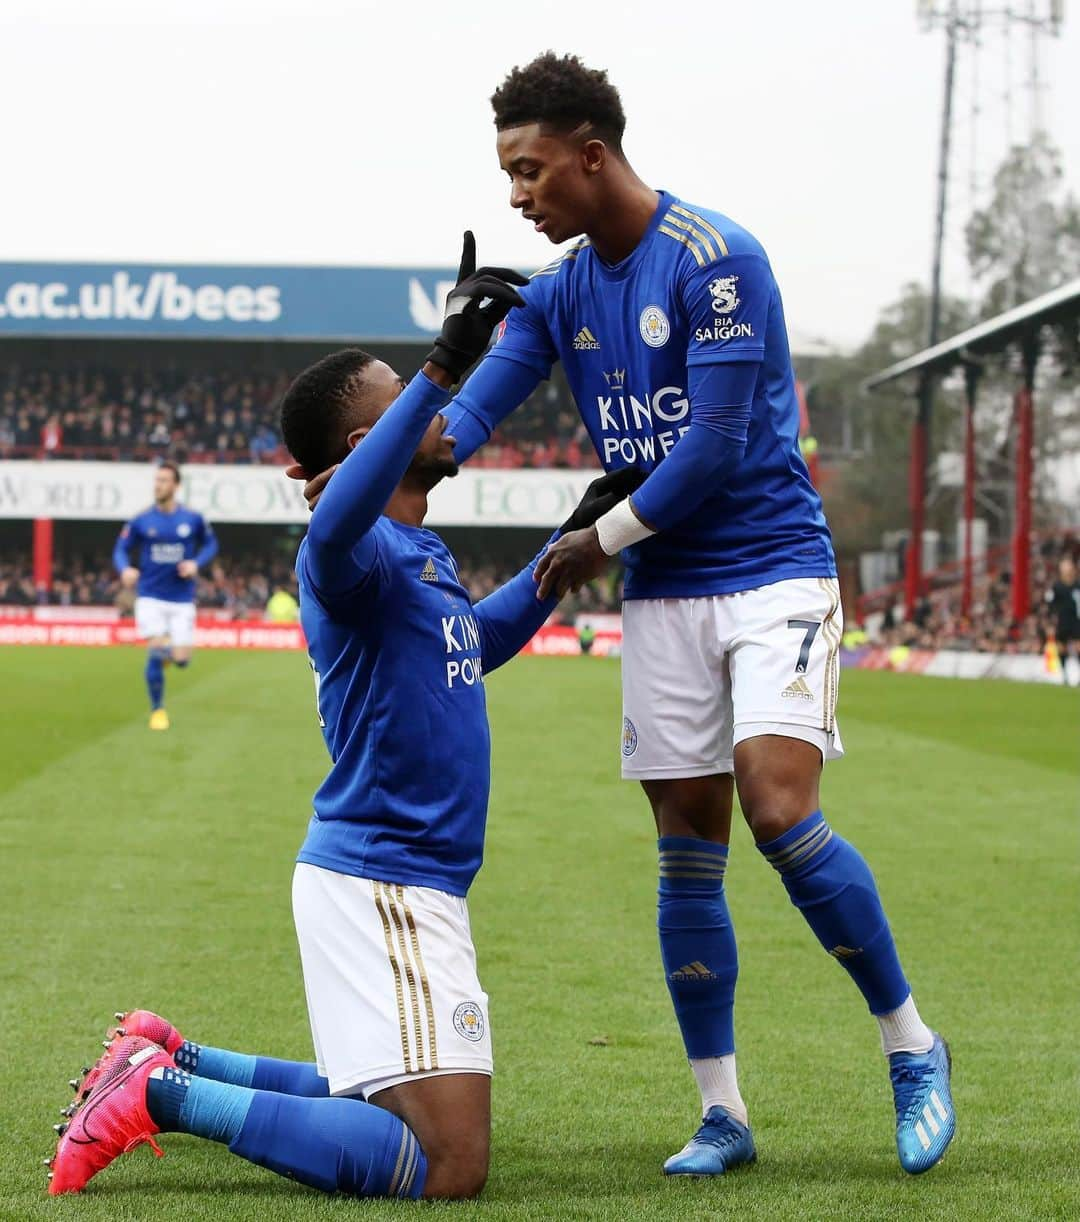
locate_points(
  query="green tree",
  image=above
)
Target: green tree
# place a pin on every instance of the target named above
(1026, 240)
(867, 494)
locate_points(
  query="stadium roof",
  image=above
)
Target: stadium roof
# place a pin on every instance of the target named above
(990, 336)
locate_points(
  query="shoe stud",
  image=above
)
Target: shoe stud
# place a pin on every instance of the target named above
(73, 1083)
(50, 1176)
(119, 1016)
(106, 1043)
(86, 1070)
(60, 1129)
(46, 1162)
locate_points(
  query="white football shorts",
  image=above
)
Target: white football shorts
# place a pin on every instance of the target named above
(391, 983)
(700, 675)
(159, 617)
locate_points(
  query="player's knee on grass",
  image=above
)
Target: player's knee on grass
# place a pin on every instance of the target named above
(458, 1170)
(692, 806)
(450, 1115)
(778, 783)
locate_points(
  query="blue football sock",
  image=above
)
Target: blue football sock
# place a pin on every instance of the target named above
(290, 1078)
(831, 885)
(338, 1145)
(260, 1073)
(217, 1063)
(697, 943)
(155, 676)
(179, 1103)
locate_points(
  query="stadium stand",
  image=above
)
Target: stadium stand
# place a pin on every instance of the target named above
(938, 622)
(134, 413)
(240, 585)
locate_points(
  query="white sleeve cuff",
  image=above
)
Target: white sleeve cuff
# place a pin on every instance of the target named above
(620, 527)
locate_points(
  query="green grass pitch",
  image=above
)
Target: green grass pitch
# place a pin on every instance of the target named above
(153, 870)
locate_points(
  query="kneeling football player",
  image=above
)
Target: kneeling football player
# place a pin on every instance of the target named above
(398, 1100)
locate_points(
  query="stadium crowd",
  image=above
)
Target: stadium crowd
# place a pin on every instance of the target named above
(938, 621)
(241, 587)
(135, 414)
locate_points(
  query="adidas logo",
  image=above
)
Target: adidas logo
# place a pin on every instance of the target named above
(428, 572)
(797, 690)
(693, 971)
(586, 341)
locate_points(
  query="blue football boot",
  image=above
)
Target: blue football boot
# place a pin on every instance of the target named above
(925, 1119)
(719, 1145)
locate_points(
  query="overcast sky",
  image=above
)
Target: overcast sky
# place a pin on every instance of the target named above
(333, 132)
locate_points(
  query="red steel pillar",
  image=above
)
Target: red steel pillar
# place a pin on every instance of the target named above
(971, 382)
(917, 498)
(43, 554)
(1025, 440)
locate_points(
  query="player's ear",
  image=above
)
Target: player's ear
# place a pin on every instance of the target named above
(594, 154)
(357, 435)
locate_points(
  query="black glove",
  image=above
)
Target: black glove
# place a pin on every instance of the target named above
(601, 495)
(467, 326)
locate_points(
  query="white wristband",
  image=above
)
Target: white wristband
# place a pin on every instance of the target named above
(620, 527)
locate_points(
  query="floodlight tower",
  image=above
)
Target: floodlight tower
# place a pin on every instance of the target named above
(963, 21)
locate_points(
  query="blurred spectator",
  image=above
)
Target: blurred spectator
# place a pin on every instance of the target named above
(283, 607)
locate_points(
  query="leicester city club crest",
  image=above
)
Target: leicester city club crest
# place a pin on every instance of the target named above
(629, 737)
(469, 1021)
(654, 326)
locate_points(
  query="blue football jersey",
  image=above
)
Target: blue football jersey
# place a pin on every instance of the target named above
(697, 291)
(398, 668)
(155, 543)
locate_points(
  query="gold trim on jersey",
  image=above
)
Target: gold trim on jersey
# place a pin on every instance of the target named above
(681, 237)
(697, 234)
(551, 268)
(700, 220)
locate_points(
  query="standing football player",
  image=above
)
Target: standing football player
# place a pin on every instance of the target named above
(668, 322)
(398, 1103)
(160, 552)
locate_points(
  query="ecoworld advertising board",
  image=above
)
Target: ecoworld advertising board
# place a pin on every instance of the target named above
(116, 491)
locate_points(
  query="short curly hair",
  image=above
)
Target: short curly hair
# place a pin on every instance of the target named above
(560, 92)
(320, 408)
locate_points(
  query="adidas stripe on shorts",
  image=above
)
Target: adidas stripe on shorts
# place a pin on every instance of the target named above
(391, 983)
(700, 675)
